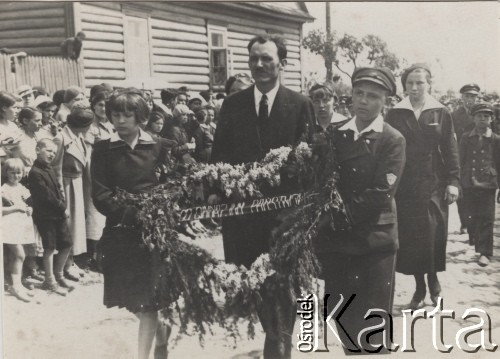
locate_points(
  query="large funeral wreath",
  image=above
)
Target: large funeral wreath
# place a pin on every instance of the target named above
(204, 291)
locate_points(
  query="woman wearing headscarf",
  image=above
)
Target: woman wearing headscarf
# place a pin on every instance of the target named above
(177, 132)
(429, 183)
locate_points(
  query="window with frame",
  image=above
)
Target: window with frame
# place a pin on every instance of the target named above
(218, 52)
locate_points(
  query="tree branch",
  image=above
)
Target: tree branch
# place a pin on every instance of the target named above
(345, 73)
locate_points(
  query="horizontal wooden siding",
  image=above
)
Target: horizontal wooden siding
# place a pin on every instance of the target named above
(37, 28)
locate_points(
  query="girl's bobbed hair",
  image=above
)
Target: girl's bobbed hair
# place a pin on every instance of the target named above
(13, 164)
(128, 100)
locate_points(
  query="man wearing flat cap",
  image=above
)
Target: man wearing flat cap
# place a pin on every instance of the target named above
(462, 119)
(361, 261)
(27, 94)
(480, 163)
(463, 122)
(345, 106)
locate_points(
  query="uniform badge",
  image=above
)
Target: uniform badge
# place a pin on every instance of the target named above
(391, 178)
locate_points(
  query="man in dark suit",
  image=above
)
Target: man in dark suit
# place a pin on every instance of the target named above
(252, 122)
(462, 123)
(361, 261)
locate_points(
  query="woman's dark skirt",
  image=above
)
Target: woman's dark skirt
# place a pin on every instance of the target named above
(423, 232)
(131, 272)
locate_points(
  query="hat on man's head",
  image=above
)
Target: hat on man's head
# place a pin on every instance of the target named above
(397, 97)
(326, 86)
(470, 88)
(24, 90)
(42, 100)
(345, 100)
(381, 76)
(80, 117)
(71, 92)
(197, 97)
(419, 65)
(482, 107)
(40, 90)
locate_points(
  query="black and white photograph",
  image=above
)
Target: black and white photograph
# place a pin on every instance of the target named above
(249, 180)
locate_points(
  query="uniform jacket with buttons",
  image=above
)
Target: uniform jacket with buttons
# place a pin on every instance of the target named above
(369, 168)
(480, 160)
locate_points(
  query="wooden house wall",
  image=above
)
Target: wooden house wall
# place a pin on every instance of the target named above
(177, 35)
(180, 43)
(103, 50)
(180, 51)
(38, 28)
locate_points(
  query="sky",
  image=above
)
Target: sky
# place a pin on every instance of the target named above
(460, 40)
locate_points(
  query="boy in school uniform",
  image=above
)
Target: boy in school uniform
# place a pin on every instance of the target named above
(49, 215)
(480, 163)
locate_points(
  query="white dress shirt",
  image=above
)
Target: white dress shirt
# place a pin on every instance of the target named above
(271, 95)
(377, 125)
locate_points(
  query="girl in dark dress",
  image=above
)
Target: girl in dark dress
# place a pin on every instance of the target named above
(429, 183)
(129, 160)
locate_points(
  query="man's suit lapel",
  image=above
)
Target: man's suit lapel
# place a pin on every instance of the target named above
(281, 107)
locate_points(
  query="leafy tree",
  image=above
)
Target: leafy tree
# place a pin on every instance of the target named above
(322, 44)
(349, 52)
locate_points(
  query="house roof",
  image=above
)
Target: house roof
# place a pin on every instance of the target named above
(295, 11)
(288, 10)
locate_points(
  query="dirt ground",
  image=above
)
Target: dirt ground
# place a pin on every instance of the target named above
(79, 326)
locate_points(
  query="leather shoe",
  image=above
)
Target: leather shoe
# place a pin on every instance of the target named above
(483, 261)
(434, 287)
(417, 301)
(71, 276)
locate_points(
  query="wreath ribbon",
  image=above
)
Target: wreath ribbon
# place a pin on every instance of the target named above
(242, 208)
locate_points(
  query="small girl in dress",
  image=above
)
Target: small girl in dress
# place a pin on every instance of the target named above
(17, 223)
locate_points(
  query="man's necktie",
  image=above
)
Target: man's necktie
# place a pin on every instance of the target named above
(263, 111)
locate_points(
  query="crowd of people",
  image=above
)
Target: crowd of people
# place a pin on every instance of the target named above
(75, 123)
(402, 162)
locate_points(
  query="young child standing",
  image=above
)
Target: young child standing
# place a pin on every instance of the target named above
(17, 225)
(49, 215)
(480, 163)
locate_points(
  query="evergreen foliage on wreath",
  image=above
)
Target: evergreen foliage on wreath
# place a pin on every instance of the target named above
(204, 291)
